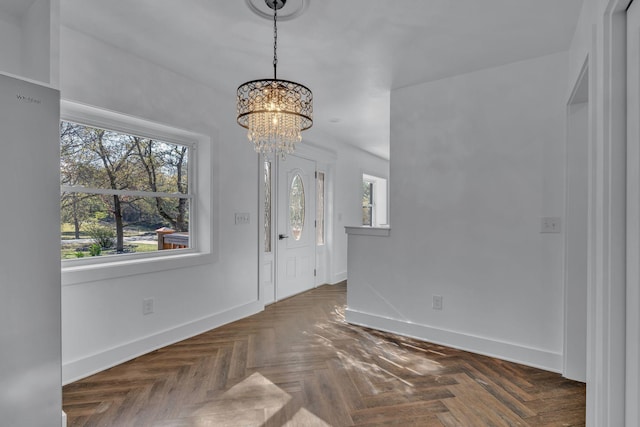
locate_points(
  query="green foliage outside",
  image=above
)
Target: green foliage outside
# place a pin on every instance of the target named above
(101, 235)
(95, 249)
(79, 250)
(367, 201)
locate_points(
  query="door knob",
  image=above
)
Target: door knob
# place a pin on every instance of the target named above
(282, 236)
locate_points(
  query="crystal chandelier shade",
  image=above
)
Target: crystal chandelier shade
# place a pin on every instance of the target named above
(274, 112)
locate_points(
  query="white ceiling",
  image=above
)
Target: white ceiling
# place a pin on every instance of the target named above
(351, 53)
(16, 8)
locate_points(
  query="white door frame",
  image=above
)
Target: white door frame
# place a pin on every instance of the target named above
(607, 220)
(632, 373)
(266, 261)
(326, 162)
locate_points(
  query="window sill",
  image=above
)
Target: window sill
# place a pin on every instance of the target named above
(368, 231)
(78, 274)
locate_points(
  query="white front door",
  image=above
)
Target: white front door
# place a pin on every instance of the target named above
(295, 231)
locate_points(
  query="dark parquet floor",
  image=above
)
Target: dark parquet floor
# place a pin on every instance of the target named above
(299, 364)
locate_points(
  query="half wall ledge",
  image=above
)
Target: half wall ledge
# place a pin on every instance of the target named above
(368, 231)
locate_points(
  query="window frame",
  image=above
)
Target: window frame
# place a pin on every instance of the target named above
(200, 231)
(371, 205)
(379, 191)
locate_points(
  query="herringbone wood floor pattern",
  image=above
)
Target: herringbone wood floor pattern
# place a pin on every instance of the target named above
(299, 364)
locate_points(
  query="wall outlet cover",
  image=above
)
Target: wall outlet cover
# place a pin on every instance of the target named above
(437, 302)
(147, 306)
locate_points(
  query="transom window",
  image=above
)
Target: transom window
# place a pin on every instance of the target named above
(123, 193)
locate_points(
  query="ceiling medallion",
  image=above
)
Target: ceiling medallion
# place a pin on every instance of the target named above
(263, 9)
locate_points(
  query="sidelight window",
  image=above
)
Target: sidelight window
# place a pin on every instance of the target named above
(320, 208)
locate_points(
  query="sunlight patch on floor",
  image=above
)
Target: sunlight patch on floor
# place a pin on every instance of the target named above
(304, 418)
(250, 403)
(373, 355)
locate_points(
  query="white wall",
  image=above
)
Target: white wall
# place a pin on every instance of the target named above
(29, 43)
(476, 161)
(102, 320)
(10, 39)
(582, 42)
(36, 41)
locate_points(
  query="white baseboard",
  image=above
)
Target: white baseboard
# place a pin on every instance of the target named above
(339, 277)
(81, 368)
(534, 357)
(64, 419)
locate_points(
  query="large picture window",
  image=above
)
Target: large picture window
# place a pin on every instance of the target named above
(123, 193)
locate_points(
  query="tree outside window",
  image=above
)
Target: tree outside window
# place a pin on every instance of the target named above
(118, 189)
(367, 202)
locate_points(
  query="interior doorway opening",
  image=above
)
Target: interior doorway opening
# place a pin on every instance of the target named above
(577, 230)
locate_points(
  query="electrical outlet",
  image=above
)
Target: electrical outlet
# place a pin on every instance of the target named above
(147, 306)
(437, 302)
(550, 224)
(242, 218)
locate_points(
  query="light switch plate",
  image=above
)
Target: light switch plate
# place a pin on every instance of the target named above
(550, 224)
(242, 218)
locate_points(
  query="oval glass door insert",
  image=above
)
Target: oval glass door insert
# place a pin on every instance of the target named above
(296, 207)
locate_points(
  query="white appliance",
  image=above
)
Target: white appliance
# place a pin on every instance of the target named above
(30, 293)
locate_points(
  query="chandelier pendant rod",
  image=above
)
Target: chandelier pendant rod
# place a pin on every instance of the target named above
(275, 40)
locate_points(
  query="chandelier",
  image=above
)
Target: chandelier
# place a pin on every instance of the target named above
(274, 111)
